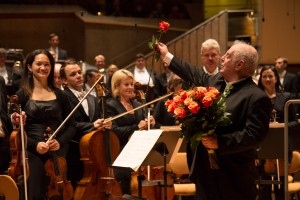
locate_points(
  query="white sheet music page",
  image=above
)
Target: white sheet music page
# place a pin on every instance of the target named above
(137, 149)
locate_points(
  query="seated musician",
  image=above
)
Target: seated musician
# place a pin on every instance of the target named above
(269, 81)
(122, 85)
(5, 130)
(87, 116)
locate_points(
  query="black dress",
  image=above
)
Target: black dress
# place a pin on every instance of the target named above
(40, 115)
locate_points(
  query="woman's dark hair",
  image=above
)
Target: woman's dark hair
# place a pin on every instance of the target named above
(27, 80)
(278, 86)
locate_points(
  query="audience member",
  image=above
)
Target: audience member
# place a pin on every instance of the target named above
(139, 9)
(287, 79)
(60, 54)
(123, 94)
(87, 116)
(158, 11)
(45, 106)
(234, 145)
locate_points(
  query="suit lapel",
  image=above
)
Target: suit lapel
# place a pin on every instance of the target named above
(75, 100)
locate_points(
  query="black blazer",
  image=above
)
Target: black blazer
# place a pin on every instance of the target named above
(250, 109)
(84, 122)
(127, 124)
(161, 84)
(290, 83)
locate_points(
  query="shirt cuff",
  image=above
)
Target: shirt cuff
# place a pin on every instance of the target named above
(168, 57)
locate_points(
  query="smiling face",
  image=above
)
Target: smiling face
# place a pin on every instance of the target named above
(126, 88)
(268, 79)
(40, 67)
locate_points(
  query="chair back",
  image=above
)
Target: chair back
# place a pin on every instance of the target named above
(295, 164)
(179, 165)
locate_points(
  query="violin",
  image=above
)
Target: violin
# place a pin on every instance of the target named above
(18, 167)
(56, 168)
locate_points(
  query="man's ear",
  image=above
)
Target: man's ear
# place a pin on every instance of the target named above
(240, 65)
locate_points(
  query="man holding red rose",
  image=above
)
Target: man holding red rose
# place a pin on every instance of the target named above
(235, 145)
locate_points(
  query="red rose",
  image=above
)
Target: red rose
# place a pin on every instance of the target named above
(177, 100)
(180, 112)
(171, 108)
(183, 94)
(199, 92)
(194, 107)
(164, 26)
(214, 91)
(187, 101)
(168, 102)
(207, 101)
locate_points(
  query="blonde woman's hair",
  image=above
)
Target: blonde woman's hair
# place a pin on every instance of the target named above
(116, 80)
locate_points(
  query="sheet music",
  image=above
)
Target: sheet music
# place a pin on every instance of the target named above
(137, 149)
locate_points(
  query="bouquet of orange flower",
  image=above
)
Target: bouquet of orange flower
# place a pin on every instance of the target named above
(200, 111)
(163, 28)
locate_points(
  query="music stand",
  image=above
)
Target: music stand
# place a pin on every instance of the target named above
(267, 150)
(161, 152)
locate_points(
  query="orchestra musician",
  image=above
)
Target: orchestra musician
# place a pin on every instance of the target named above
(45, 106)
(161, 114)
(269, 82)
(122, 86)
(5, 129)
(87, 116)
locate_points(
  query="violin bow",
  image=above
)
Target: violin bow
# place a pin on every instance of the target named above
(23, 153)
(74, 109)
(139, 107)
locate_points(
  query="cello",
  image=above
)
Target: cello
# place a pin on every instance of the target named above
(18, 167)
(98, 149)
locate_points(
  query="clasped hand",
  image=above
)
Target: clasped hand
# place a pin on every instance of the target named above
(105, 123)
(44, 147)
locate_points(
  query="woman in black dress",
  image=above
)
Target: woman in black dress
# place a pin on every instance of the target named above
(122, 85)
(45, 106)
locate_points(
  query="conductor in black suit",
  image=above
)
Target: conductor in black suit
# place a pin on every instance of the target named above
(5, 130)
(87, 116)
(235, 145)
